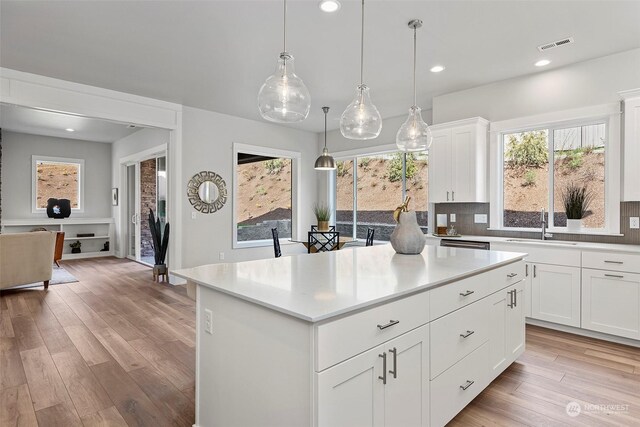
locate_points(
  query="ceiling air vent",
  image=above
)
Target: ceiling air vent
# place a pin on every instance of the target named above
(555, 44)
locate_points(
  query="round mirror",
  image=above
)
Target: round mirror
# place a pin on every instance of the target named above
(208, 192)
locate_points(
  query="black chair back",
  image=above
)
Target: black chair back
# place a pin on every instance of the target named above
(323, 241)
(276, 243)
(370, 233)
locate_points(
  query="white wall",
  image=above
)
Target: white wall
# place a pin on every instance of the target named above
(17, 149)
(139, 141)
(592, 82)
(207, 141)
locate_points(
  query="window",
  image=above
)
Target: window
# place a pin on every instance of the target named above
(539, 164)
(264, 195)
(57, 178)
(382, 181)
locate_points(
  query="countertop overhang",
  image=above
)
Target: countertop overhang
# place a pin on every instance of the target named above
(317, 287)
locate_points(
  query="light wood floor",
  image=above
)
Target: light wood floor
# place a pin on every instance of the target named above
(118, 349)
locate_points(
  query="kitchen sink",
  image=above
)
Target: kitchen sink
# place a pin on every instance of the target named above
(541, 241)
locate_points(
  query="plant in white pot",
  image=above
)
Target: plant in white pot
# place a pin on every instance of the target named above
(576, 200)
(407, 238)
(323, 215)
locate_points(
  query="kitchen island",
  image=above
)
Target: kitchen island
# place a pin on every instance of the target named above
(354, 337)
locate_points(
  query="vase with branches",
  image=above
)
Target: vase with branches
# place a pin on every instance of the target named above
(160, 240)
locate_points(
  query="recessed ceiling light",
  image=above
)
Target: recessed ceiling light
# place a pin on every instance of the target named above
(329, 5)
(70, 130)
(542, 63)
(437, 69)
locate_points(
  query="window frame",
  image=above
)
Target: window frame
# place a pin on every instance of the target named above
(35, 159)
(608, 114)
(296, 174)
(354, 155)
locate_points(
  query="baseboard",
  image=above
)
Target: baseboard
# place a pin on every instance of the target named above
(583, 332)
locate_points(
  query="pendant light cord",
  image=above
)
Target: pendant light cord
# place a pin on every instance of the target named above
(326, 111)
(414, 67)
(284, 42)
(362, 45)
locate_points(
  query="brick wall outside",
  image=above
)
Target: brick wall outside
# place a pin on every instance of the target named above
(147, 201)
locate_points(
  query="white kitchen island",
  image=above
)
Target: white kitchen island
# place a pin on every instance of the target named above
(357, 337)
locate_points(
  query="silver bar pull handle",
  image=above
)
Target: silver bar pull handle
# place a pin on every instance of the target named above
(466, 294)
(534, 270)
(468, 334)
(613, 262)
(515, 297)
(388, 325)
(512, 275)
(526, 270)
(617, 276)
(447, 196)
(510, 305)
(394, 372)
(453, 196)
(383, 377)
(468, 384)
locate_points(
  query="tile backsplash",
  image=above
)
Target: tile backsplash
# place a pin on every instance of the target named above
(465, 224)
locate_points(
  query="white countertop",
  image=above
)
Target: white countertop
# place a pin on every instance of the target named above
(591, 246)
(316, 287)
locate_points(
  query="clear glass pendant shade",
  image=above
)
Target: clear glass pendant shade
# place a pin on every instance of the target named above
(414, 134)
(283, 98)
(361, 119)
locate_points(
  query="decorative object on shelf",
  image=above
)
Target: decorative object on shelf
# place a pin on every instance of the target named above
(207, 192)
(323, 216)
(576, 200)
(85, 234)
(361, 119)
(452, 231)
(283, 98)
(114, 197)
(58, 208)
(105, 247)
(414, 134)
(75, 247)
(407, 238)
(325, 161)
(160, 242)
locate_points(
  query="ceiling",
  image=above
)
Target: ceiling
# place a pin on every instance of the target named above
(216, 54)
(47, 123)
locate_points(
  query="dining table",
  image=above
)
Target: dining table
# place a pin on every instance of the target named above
(341, 242)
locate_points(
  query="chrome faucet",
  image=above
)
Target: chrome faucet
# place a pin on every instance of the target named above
(544, 235)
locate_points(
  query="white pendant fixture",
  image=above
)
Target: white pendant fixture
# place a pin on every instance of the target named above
(414, 134)
(361, 120)
(283, 98)
(325, 162)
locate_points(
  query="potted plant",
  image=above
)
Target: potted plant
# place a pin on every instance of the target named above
(75, 247)
(576, 200)
(323, 215)
(160, 241)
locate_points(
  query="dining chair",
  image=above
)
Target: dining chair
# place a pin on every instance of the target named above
(323, 241)
(276, 243)
(370, 233)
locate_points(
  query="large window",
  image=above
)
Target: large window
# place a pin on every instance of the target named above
(57, 178)
(263, 196)
(540, 164)
(381, 183)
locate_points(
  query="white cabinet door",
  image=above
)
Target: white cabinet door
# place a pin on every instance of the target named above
(406, 394)
(555, 294)
(515, 322)
(350, 393)
(440, 167)
(631, 146)
(611, 302)
(506, 327)
(463, 167)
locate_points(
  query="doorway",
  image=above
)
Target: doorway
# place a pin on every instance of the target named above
(146, 191)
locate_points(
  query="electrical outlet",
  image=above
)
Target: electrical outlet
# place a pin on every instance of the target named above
(208, 321)
(452, 217)
(480, 218)
(634, 222)
(193, 215)
(221, 256)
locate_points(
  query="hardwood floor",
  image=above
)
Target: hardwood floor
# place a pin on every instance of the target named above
(117, 349)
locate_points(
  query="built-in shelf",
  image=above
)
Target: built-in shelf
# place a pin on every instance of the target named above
(86, 238)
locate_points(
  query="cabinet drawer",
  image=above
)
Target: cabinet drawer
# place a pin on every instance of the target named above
(457, 334)
(611, 261)
(459, 385)
(506, 276)
(453, 296)
(346, 337)
(542, 253)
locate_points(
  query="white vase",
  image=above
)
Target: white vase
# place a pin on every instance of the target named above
(407, 238)
(574, 225)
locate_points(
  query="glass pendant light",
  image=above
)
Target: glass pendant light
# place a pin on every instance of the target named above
(283, 98)
(414, 134)
(361, 119)
(325, 162)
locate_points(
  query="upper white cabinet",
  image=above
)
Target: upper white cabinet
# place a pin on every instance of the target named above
(631, 145)
(458, 161)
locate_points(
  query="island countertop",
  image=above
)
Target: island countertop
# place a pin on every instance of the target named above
(316, 287)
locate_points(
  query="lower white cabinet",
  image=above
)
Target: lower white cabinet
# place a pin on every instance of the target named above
(506, 327)
(385, 386)
(555, 294)
(611, 302)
